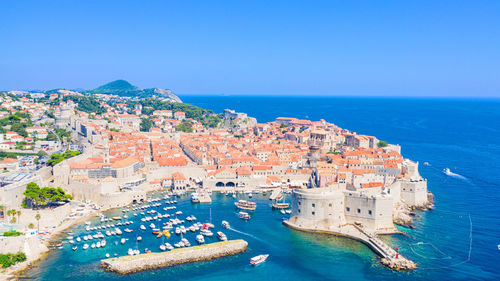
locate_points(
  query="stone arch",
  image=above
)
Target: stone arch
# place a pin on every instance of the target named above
(230, 184)
(220, 184)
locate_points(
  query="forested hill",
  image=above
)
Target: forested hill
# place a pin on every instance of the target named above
(125, 89)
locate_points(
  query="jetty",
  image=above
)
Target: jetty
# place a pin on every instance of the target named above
(137, 263)
(389, 257)
(276, 192)
(204, 197)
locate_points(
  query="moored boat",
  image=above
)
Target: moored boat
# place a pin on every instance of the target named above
(246, 205)
(221, 236)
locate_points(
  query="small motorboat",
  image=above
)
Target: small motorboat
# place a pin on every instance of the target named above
(200, 239)
(85, 246)
(107, 255)
(74, 248)
(244, 215)
(225, 224)
(130, 252)
(258, 259)
(139, 238)
(221, 236)
(168, 246)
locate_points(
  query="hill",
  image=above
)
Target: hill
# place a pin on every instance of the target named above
(125, 89)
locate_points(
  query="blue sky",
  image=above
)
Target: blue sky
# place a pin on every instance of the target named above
(374, 48)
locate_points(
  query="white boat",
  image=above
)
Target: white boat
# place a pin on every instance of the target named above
(225, 224)
(123, 240)
(107, 255)
(78, 239)
(103, 243)
(98, 244)
(168, 246)
(85, 246)
(74, 248)
(186, 242)
(288, 211)
(258, 259)
(163, 248)
(130, 252)
(139, 238)
(244, 215)
(206, 232)
(283, 211)
(92, 246)
(221, 236)
(447, 172)
(142, 227)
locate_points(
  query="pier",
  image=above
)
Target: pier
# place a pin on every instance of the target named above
(389, 256)
(131, 264)
(204, 197)
(275, 194)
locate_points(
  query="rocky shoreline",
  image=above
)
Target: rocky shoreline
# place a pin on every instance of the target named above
(404, 213)
(131, 264)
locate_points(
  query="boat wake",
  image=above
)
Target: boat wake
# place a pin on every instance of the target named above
(455, 175)
(247, 234)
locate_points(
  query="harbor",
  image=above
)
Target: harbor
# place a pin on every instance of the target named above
(131, 264)
(263, 231)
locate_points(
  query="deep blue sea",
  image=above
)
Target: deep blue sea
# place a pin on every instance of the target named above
(456, 241)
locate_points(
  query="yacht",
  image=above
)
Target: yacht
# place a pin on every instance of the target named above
(85, 246)
(225, 224)
(258, 259)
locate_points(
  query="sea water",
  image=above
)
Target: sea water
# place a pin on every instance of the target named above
(456, 241)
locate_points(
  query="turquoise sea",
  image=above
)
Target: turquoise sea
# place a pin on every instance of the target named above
(456, 241)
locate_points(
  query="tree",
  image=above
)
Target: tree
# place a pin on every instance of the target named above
(38, 217)
(382, 144)
(146, 124)
(36, 195)
(185, 126)
(18, 215)
(31, 225)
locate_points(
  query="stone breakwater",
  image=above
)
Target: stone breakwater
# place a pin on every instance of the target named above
(389, 257)
(131, 264)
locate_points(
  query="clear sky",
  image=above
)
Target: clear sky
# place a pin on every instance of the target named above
(379, 48)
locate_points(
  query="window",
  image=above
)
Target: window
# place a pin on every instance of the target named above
(299, 203)
(359, 211)
(348, 209)
(313, 213)
(330, 204)
(298, 210)
(314, 205)
(369, 212)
